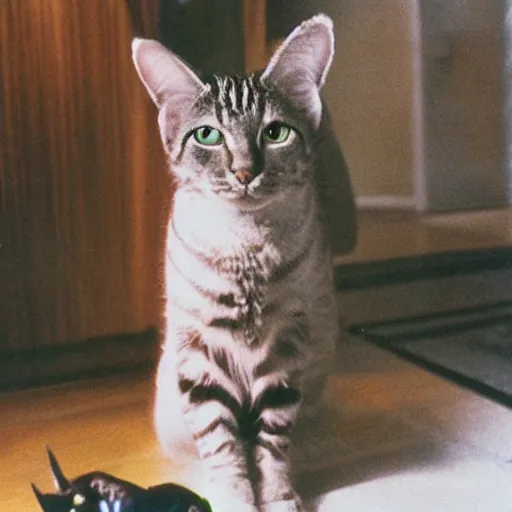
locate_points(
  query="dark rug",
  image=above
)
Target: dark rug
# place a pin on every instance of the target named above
(470, 346)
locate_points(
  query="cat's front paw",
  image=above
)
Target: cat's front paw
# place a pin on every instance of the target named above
(294, 505)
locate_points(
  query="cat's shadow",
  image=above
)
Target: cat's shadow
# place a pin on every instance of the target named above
(337, 453)
(323, 490)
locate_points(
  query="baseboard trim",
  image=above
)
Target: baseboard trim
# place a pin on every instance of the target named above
(386, 202)
(95, 357)
(361, 276)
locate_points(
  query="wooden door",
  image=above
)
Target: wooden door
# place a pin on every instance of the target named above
(82, 187)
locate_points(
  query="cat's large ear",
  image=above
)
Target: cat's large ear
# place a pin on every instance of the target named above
(164, 74)
(300, 65)
(61, 482)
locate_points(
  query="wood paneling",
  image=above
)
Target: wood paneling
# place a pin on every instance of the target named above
(89, 358)
(82, 185)
(255, 34)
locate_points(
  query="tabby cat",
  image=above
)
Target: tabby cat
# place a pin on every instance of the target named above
(251, 319)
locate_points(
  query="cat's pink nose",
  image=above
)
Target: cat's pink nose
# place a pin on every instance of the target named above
(244, 176)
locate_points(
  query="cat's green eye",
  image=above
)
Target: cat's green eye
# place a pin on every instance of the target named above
(276, 133)
(208, 136)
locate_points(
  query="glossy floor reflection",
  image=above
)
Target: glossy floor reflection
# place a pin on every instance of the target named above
(394, 438)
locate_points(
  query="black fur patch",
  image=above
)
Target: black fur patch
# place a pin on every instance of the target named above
(276, 397)
(226, 323)
(201, 393)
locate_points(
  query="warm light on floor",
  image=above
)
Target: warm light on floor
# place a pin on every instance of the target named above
(396, 438)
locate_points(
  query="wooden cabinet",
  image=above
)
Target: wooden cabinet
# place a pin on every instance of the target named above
(83, 191)
(84, 194)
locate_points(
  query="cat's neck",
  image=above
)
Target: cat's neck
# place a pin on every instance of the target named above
(216, 224)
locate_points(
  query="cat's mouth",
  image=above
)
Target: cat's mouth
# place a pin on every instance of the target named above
(246, 197)
(251, 200)
(253, 195)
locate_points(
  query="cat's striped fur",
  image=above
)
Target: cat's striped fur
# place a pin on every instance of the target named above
(236, 95)
(251, 319)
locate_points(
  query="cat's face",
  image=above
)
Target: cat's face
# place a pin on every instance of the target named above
(243, 140)
(240, 141)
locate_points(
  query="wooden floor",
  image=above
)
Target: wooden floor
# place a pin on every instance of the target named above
(395, 438)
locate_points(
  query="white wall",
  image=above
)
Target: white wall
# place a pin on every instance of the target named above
(463, 104)
(370, 92)
(448, 148)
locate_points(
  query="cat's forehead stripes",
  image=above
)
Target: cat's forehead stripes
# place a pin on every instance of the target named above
(234, 95)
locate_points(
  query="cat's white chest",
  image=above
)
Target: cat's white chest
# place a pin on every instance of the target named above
(238, 250)
(223, 232)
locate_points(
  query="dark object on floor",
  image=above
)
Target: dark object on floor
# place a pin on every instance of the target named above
(101, 492)
(472, 347)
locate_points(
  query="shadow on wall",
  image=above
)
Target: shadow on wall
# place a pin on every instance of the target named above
(207, 35)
